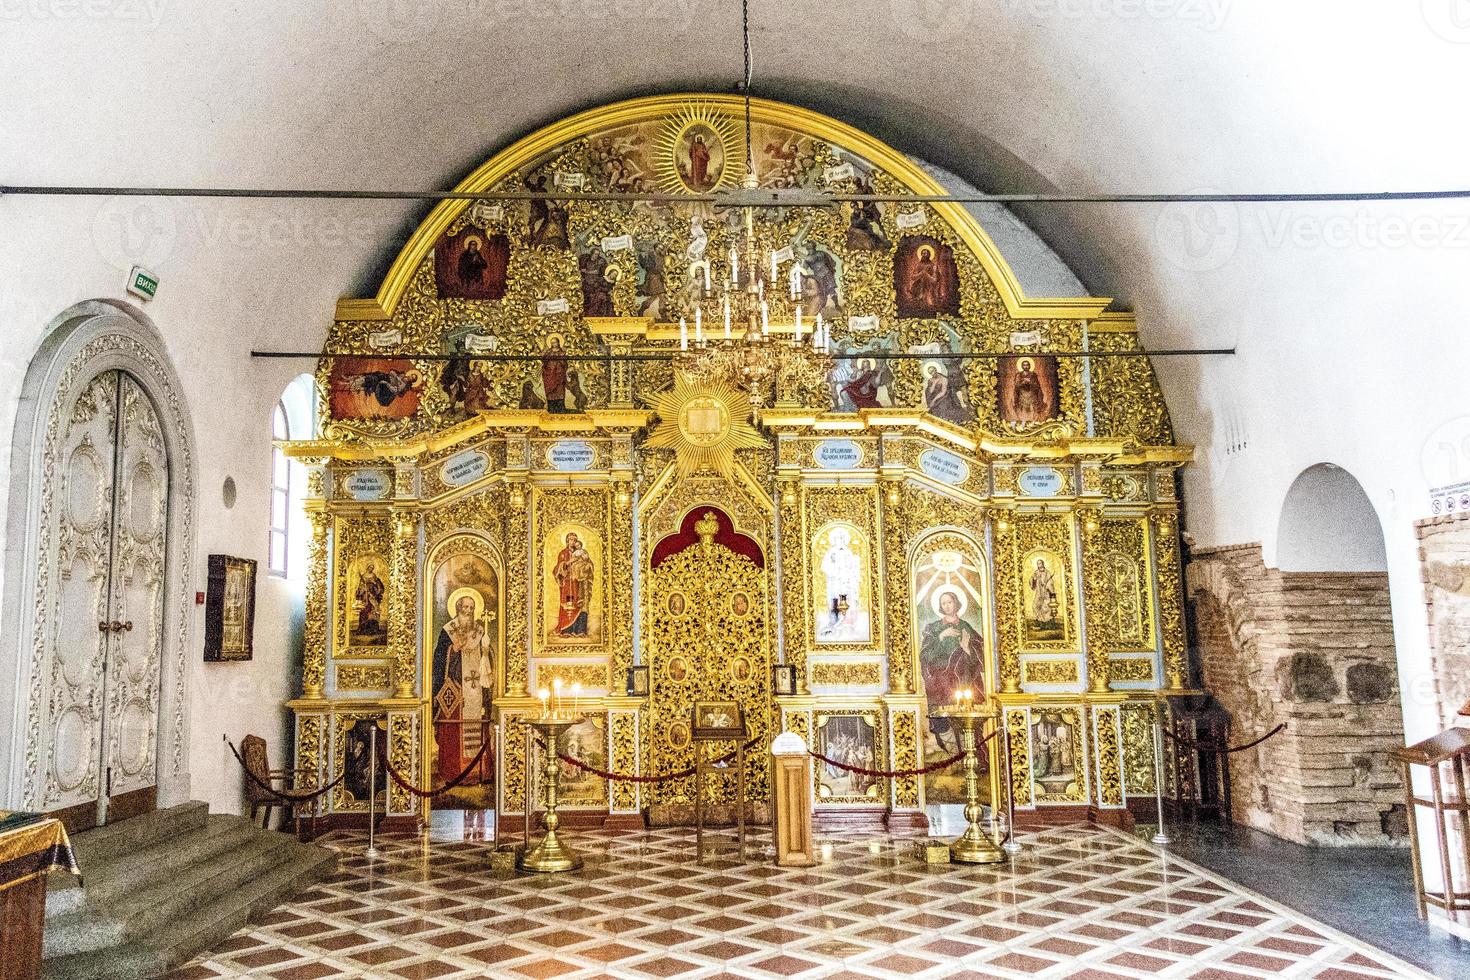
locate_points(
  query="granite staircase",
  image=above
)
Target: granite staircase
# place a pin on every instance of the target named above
(164, 887)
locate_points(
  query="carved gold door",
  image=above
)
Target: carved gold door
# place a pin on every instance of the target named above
(104, 654)
(706, 630)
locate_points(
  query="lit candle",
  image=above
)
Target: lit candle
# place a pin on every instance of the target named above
(795, 281)
(734, 267)
(760, 288)
(576, 693)
(706, 275)
(727, 316)
(543, 694)
(765, 320)
(699, 325)
(556, 695)
(683, 334)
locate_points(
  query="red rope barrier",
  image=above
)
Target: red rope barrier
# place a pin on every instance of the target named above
(426, 793)
(668, 777)
(899, 773)
(1189, 743)
(283, 795)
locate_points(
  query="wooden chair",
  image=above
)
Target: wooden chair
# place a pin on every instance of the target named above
(257, 760)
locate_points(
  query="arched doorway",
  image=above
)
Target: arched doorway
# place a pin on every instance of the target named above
(101, 525)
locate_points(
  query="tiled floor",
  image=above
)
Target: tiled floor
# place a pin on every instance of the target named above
(1082, 902)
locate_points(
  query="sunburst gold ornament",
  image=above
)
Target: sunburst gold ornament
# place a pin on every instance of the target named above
(704, 424)
(698, 151)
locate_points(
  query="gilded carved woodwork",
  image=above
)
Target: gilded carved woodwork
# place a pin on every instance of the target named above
(602, 277)
(1138, 749)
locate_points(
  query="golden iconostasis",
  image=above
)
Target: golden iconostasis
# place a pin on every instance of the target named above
(516, 487)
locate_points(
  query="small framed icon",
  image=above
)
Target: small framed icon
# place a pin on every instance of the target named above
(718, 720)
(637, 682)
(783, 680)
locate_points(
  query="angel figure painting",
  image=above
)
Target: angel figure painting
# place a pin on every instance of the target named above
(1043, 588)
(463, 669)
(843, 612)
(571, 556)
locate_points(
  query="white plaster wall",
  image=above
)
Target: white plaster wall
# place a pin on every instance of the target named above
(1328, 524)
(1348, 318)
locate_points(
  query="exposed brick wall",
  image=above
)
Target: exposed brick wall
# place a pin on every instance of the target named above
(1444, 556)
(1314, 650)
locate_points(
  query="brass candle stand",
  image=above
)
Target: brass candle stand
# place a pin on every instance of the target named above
(974, 846)
(549, 853)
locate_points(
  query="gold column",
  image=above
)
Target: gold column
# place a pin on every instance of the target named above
(795, 614)
(1094, 595)
(896, 590)
(1165, 525)
(314, 658)
(1007, 602)
(402, 634)
(620, 379)
(517, 605)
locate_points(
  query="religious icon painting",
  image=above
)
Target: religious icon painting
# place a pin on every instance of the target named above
(847, 741)
(718, 720)
(229, 611)
(1027, 389)
(948, 590)
(695, 150)
(740, 605)
(946, 384)
(373, 388)
(925, 278)
(360, 778)
(740, 671)
(865, 222)
(677, 670)
(821, 280)
(548, 224)
(677, 604)
(1044, 598)
(561, 382)
(1056, 747)
(598, 277)
(572, 587)
(464, 619)
(678, 735)
(860, 377)
(586, 741)
(471, 264)
(842, 594)
(367, 592)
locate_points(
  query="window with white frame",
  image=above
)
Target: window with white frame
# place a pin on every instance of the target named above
(280, 494)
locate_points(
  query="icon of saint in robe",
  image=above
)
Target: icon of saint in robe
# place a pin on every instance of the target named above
(554, 376)
(573, 573)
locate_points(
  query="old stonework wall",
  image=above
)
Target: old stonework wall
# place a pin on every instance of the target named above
(1444, 553)
(1314, 650)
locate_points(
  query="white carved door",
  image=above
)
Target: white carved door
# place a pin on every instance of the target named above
(108, 634)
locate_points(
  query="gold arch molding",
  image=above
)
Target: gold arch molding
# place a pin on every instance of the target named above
(532, 148)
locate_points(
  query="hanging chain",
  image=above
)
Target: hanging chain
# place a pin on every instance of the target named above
(745, 33)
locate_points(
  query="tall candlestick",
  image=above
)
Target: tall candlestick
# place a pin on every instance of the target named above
(734, 267)
(727, 316)
(543, 694)
(765, 320)
(683, 334)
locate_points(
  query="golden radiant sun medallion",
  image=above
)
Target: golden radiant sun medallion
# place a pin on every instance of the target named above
(698, 151)
(704, 424)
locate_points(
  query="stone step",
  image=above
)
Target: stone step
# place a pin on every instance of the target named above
(94, 847)
(178, 940)
(170, 893)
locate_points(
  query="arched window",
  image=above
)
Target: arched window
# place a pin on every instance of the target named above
(280, 494)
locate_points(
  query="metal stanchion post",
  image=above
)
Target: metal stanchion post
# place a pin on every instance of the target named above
(1011, 845)
(372, 850)
(1162, 837)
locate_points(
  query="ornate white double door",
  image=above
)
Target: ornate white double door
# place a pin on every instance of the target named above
(106, 637)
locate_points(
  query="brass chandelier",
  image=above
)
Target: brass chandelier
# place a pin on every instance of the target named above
(744, 348)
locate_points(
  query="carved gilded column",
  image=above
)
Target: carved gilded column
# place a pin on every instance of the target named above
(895, 552)
(1165, 526)
(1094, 597)
(402, 625)
(517, 600)
(795, 616)
(314, 655)
(620, 373)
(1007, 602)
(620, 582)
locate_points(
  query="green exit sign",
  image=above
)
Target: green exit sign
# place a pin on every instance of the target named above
(142, 283)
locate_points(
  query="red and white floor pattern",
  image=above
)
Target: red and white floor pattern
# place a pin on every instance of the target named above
(1082, 902)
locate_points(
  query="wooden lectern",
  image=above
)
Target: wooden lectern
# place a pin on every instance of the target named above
(1442, 755)
(791, 779)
